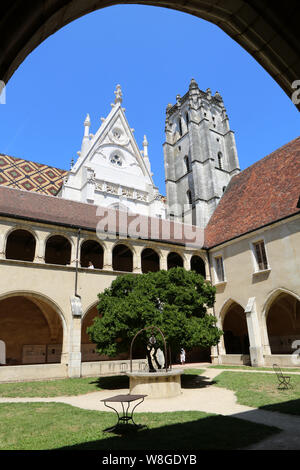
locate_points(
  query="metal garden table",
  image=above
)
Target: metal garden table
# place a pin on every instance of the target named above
(127, 415)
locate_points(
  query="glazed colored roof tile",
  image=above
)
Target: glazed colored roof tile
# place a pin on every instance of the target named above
(30, 176)
(265, 192)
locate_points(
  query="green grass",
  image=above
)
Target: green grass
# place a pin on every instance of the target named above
(37, 426)
(62, 387)
(70, 387)
(261, 391)
(288, 369)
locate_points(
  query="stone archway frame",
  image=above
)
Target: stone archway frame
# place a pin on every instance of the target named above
(265, 31)
(221, 317)
(144, 329)
(265, 310)
(37, 297)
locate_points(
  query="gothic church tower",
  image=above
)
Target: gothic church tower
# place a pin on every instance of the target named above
(199, 153)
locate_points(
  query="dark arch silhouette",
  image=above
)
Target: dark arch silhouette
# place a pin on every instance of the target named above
(58, 250)
(267, 30)
(174, 260)
(122, 258)
(149, 260)
(198, 265)
(91, 251)
(20, 245)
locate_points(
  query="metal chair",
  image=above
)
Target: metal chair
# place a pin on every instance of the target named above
(283, 380)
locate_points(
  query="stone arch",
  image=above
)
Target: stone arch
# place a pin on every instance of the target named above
(20, 244)
(281, 316)
(122, 257)
(150, 260)
(33, 328)
(234, 325)
(267, 32)
(2, 352)
(198, 265)
(88, 349)
(58, 249)
(174, 259)
(91, 251)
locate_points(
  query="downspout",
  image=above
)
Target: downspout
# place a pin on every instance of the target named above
(214, 311)
(76, 269)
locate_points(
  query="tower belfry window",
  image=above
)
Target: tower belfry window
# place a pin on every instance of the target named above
(187, 163)
(220, 160)
(180, 126)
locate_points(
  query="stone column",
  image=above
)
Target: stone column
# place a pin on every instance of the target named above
(137, 261)
(107, 255)
(163, 262)
(40, 248)
(74, 363)
(2, 244)
(256, 349)
(187, 261)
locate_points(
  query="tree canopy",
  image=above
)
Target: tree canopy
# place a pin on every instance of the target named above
(176, 301)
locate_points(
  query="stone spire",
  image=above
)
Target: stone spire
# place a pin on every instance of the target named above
(146, 157)
(119, 95)
(86, 138)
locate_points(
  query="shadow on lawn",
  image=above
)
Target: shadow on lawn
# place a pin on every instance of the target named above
(208, 433)
(289, 407)
(115, 382)
(195, 381)
(122, 381)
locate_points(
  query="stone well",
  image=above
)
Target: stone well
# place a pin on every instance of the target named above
(160, 384)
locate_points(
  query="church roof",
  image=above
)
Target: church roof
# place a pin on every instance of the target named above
(58, 211)
(264, 193)
(24, 174)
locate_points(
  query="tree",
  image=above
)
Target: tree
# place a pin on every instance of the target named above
(176, 301)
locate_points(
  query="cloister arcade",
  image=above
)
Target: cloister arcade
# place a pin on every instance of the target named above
(40, 330)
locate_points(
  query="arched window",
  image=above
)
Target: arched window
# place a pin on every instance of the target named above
(187, 119)
(174, 260)
(58, 250)
(150, 260)
(220, 160)
(198, 265)
(122, 258)
(20, 245)
(189, 197)
(91, 254)
(180, 127)
(187, 163)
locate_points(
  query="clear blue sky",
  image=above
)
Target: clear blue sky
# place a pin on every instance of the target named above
(153, 53)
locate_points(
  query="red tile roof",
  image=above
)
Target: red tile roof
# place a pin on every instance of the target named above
(55, 210)
(265, 192)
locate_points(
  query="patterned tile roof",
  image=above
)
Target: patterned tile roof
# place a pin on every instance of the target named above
(23, 174)
(262, 194)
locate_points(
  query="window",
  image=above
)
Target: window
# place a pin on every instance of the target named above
(187, 163)
(179, 126)
(187, 118)
(260, 255)
(116, 160)
(189, 197)
(220, 162)
(219, 269)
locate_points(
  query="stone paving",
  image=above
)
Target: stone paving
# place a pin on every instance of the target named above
(208, 398)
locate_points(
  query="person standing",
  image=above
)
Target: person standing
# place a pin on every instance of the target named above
(182, 356)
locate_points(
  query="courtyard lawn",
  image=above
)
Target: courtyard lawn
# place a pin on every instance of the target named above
(260, 390)
(40, 426)
(62, 387)
(267, 369)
